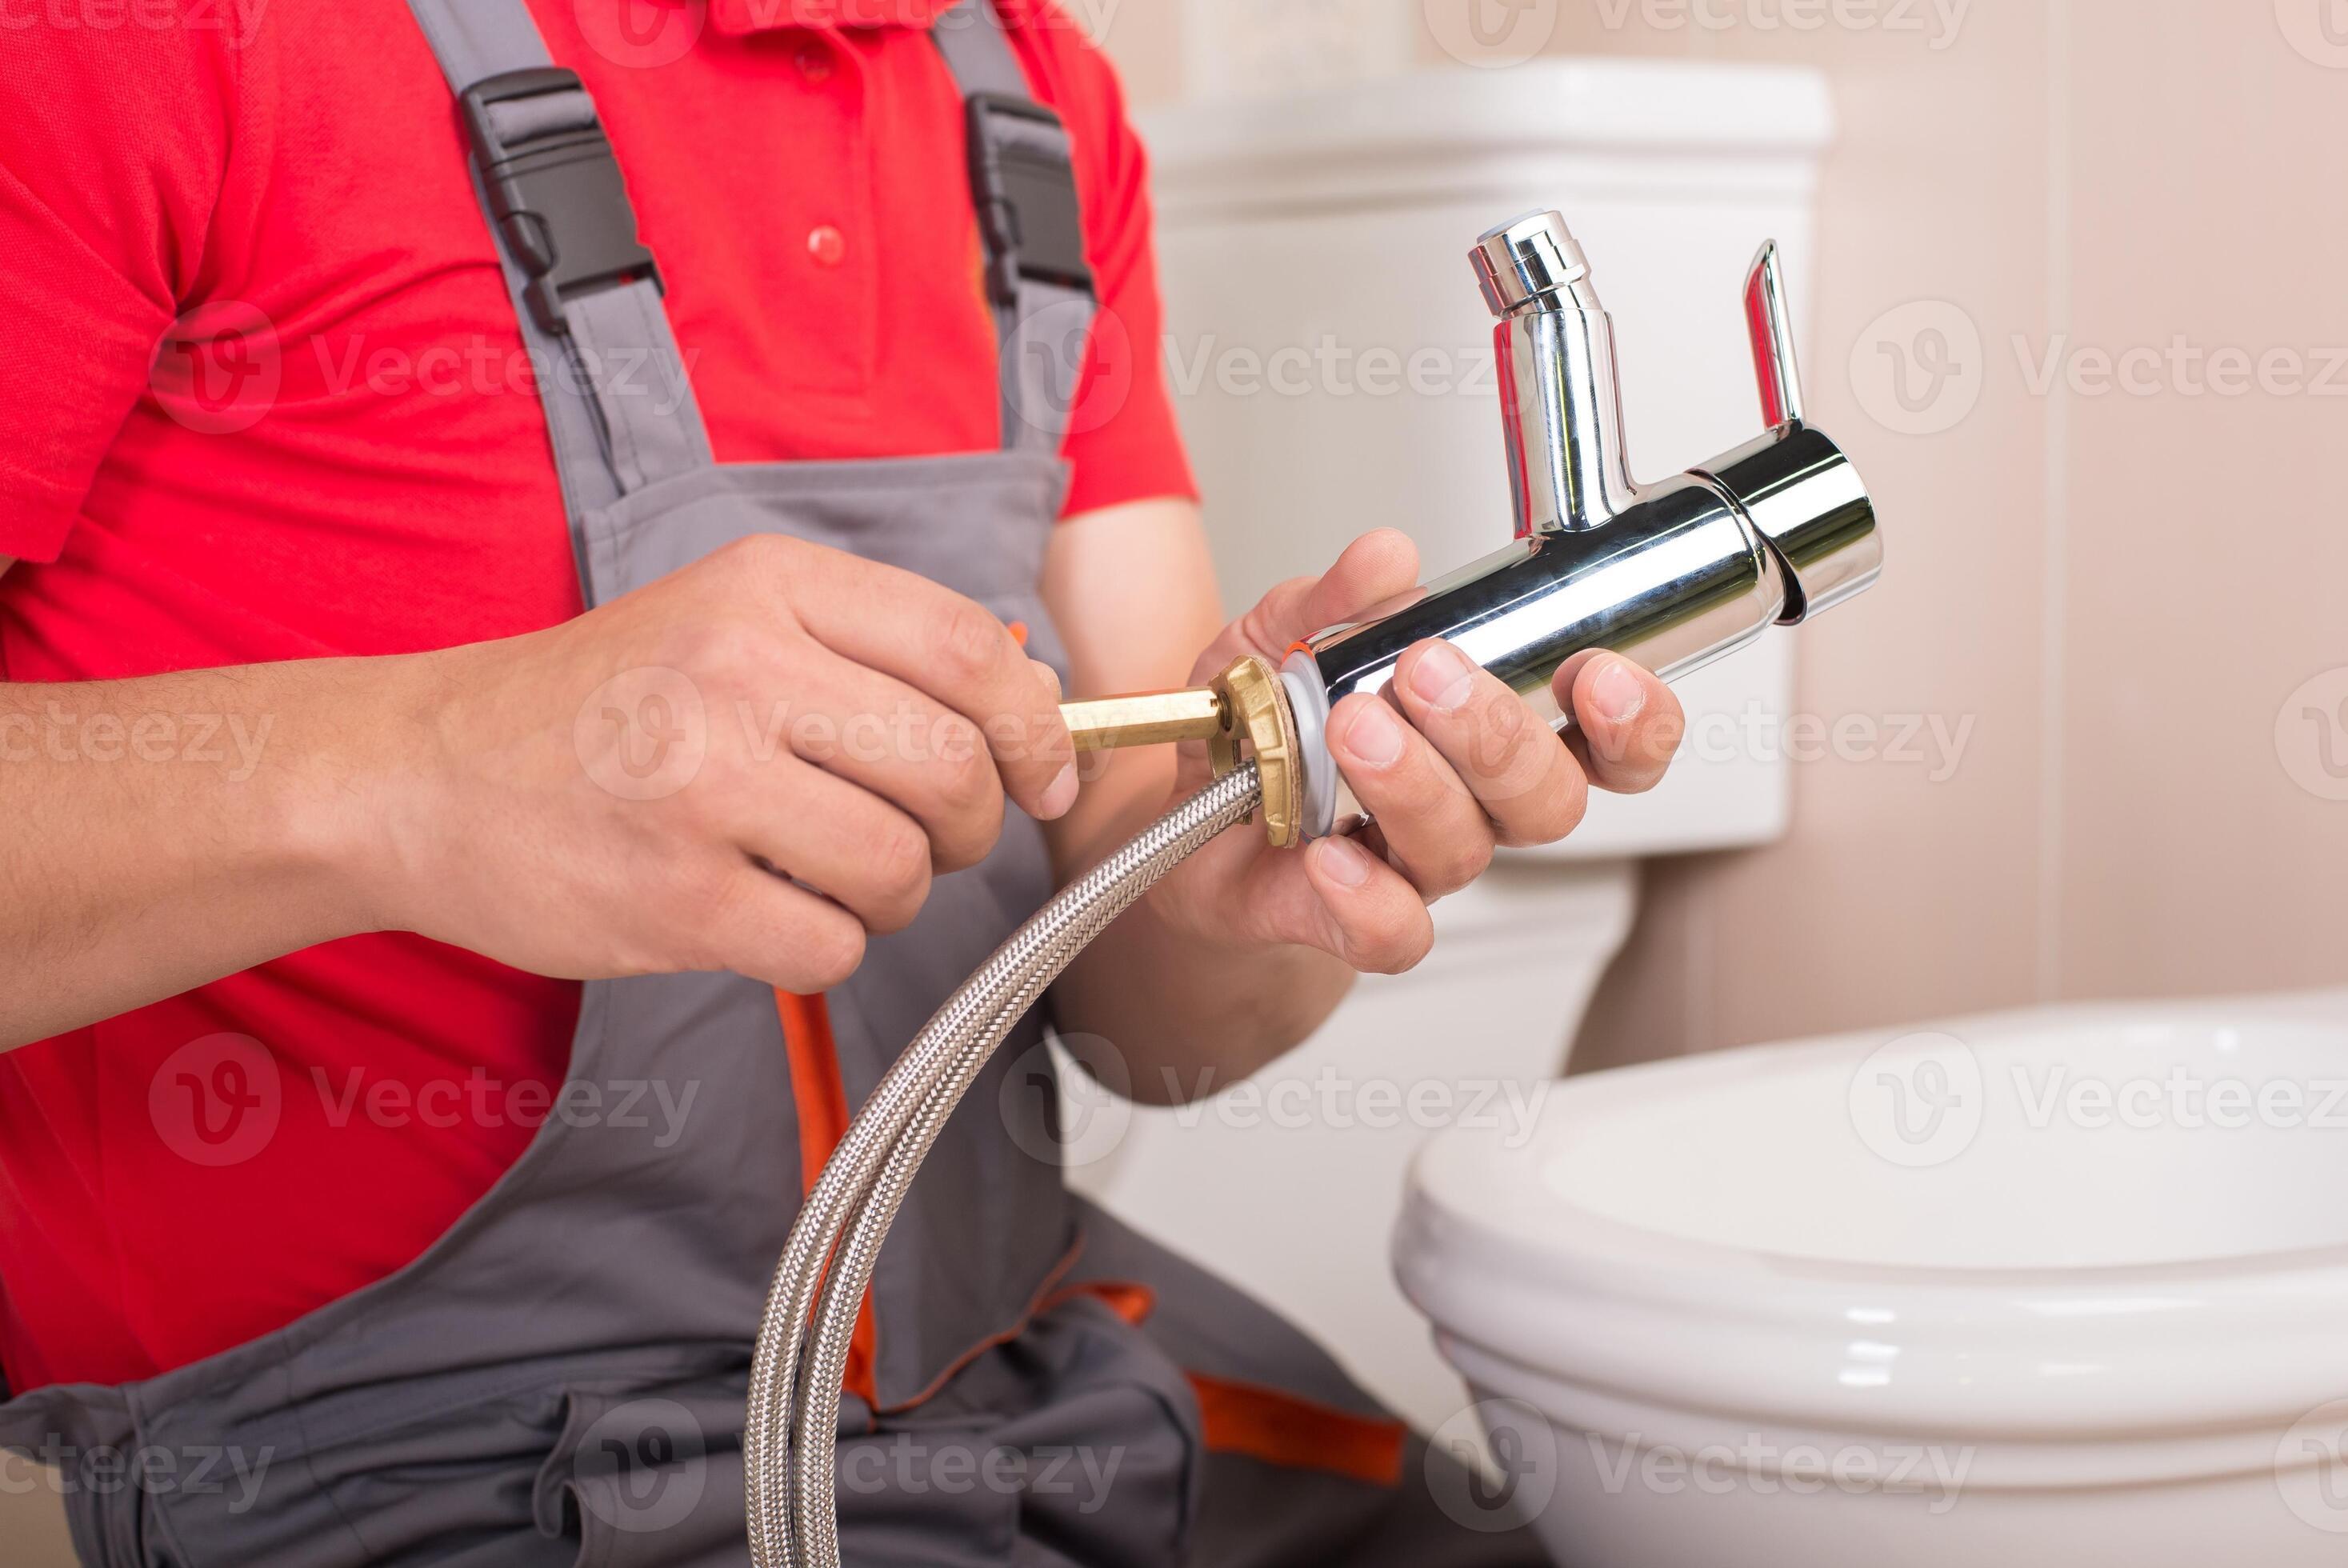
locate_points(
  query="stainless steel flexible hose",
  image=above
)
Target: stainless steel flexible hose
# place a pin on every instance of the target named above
(819, 1283)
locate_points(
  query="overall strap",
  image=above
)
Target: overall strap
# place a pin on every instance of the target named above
(1023, 186)
(618, 402)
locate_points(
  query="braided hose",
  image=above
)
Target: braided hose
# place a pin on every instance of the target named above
(819, 1282)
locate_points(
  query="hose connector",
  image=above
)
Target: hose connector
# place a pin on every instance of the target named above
(1261, 728)
(1243, 715)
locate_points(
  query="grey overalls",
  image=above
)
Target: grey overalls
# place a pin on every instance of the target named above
(561, 1377)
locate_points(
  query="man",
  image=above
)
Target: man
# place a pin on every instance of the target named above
(415, 615)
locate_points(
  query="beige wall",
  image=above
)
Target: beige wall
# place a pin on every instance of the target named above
(2108, 596)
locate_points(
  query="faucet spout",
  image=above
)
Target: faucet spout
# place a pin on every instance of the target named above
(1560, 401)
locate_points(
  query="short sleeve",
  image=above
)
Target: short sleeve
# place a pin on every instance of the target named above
(111, 142)
(1123, 443)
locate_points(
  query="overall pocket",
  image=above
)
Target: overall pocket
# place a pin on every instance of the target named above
(647, 1479)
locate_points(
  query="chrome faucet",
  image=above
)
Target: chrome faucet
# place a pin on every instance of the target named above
(1675, 573)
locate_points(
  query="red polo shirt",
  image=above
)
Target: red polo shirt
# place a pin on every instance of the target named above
(360, 466)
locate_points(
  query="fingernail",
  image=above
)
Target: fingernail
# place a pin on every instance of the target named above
(1049, 673)
(1443, 677)
(1615, 692)
(1375, 737)
(1343, 862)
(1060, 794)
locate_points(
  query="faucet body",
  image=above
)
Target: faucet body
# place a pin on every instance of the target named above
(1673, 574)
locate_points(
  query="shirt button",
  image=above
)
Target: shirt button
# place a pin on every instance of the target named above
(827, 245)
(814, 62)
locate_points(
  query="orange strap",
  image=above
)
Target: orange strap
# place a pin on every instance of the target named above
(1268, 1424)
(1284, 1429)
(821, 1101)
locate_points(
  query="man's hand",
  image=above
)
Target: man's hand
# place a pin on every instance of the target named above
(750, 765)
(1450, 764)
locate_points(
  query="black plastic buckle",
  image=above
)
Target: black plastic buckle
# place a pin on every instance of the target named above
(558, 196)
(1027, 201)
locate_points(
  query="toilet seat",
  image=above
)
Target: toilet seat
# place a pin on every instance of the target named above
(1642, 1267)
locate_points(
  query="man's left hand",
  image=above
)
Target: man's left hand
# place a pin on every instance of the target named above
(1449, 763)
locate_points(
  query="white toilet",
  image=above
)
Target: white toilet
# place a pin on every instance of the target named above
(1331, 362)
(2058, 1288)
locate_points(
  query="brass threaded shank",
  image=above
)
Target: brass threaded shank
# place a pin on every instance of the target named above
(1243, 713)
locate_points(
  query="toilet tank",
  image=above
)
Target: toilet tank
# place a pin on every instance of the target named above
(1330, 359)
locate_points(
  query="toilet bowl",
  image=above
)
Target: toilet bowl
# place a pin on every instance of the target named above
(1330, 361)
(2063, 1286)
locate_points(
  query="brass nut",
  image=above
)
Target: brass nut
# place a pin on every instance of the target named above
(1257, 709)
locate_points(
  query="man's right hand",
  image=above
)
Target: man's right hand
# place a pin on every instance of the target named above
(752, 764)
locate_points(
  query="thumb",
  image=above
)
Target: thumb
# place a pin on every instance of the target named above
(1379, 566)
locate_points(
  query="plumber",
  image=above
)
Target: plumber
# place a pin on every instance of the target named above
(649, 517)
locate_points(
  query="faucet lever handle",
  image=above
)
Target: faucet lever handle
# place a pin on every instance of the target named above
(1771, 324)
(1791, 482)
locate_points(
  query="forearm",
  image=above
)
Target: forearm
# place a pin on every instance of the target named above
(164, 831)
